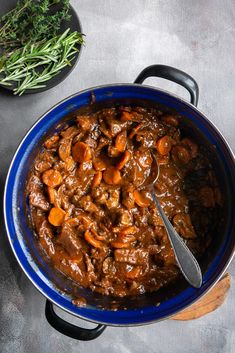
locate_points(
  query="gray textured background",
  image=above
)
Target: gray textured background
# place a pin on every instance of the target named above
(122, 38)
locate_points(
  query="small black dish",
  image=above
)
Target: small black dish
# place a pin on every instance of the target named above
(74, 25)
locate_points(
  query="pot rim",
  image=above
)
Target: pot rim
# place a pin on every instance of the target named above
(225, 266)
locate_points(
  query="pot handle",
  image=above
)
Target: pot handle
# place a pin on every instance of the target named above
(172, 74)
(70, 330)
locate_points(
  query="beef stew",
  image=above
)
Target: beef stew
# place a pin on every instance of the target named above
(91, 220)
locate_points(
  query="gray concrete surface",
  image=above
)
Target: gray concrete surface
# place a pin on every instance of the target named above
(122, 38)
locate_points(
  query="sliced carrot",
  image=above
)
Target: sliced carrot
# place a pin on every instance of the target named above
(97, 236)
(129, 230)
(193, 147)
(170, 120)
(112, 176)
(126, 238)
(121, 140)
(52, 178)
(124, 160)
(120, 245)
(49, 143)
(135, 130)
(85, 220)
(126, 116)
(56, 216)
(163, 145)
(92, 241)
(81, 152)
(70, 164)
(97, 179)
(65, 149)
(141, 199)
(180, 154)
(99, 164)
(51, 194)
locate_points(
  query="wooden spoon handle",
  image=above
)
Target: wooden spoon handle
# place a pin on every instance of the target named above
(210, 302)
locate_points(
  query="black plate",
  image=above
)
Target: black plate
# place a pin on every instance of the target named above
(74, 25)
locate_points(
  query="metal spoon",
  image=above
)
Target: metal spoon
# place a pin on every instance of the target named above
(185, 259)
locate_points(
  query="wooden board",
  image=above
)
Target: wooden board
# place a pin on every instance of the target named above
(210, 302)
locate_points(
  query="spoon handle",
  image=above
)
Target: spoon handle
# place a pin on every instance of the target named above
(186, 261)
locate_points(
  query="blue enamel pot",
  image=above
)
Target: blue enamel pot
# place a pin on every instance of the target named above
(144, 309)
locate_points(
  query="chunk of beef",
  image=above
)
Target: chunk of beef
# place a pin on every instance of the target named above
(125, 218)
(100, 194)
(127, 196)
(132, 256)
(45, 230)
(115, 127)
(37, 199)
(36, 195)
(87, 123)
(70, 241)
(90, 268)
(88, 205)
(113, 198)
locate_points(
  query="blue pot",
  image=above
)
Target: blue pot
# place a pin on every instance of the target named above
(22, 239)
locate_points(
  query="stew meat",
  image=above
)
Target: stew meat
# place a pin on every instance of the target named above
(91, 220)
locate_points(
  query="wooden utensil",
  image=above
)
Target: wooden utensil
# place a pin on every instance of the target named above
(208, 303)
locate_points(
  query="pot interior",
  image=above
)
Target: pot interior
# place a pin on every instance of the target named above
(37, 267)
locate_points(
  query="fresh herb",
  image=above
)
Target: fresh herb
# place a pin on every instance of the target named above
(32, 21)
(33, 50)
(33, 65)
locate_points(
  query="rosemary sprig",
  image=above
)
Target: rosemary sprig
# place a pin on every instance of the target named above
(33, 65)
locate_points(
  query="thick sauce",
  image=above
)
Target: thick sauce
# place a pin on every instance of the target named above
(94, 224)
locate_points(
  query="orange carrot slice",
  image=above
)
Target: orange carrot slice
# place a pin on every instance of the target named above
(97, 236)
(52, 178)
(92, 241)
(70, 164)
(120, 141)
(112, 176)
(56, 216)
(81, 152)
(180, 154)
(163, 145)
(129, 230)
(51, 194)
(120, 245)
(97, 179)
(124, 160)
(141, 199)
(99, 164)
